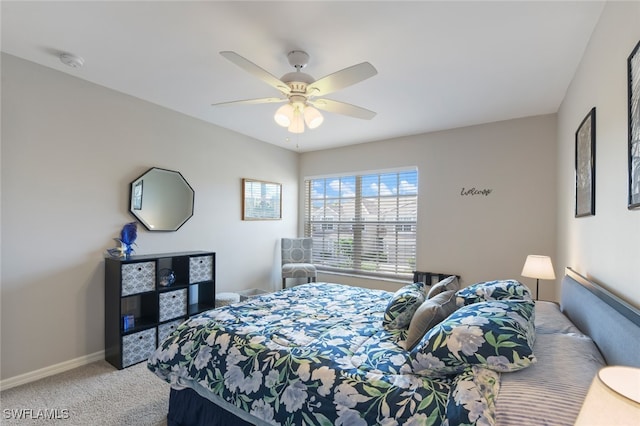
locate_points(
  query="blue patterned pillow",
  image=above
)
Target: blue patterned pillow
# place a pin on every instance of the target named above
(497, 335)
(492, 290)
(403, 305)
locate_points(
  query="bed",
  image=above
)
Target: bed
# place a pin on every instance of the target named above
(329, 354)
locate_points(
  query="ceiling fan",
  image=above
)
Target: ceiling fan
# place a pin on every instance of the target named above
(302, 93)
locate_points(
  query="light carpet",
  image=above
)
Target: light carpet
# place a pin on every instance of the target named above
(95, 394)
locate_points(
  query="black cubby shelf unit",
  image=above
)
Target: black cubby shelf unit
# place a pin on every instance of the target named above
(148, 296)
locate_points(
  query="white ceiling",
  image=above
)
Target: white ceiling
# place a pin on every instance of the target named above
(440, 65)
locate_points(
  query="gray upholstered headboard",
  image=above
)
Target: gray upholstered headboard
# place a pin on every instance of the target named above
(611, 322)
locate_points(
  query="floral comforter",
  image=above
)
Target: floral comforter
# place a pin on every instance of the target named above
(316, 354)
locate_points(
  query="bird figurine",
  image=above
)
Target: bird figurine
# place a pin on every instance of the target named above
(127, 239)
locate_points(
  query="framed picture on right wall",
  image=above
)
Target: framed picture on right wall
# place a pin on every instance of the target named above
(633, 67)
(586, 166)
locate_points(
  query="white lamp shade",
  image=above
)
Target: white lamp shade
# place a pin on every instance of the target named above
(613, 398)
(297, 124)
(284, 115)
(539, 267)
(312, 117)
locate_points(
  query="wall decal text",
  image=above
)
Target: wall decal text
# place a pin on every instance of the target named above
(473, 191)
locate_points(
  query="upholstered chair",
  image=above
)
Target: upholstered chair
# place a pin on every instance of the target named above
(296, 260)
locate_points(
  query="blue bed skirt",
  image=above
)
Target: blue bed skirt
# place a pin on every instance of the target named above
(187, 408)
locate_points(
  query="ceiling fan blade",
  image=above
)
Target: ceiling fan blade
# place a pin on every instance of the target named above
(256, 71)
(251, 101)
(343, 108)
(341, 79)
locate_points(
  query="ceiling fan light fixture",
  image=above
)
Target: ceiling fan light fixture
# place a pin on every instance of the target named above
(312, 117)
(301, 90)
(284, 115)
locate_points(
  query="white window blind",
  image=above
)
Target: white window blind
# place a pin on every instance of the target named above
(364, 224)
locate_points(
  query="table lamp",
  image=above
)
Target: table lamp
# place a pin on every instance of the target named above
(613, 398)
(538, 267)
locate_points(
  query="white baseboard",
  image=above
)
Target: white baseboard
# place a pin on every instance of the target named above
(32, 376)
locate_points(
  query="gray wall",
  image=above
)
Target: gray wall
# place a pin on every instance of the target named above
(605, 247)
(478, 237)
(69, 151)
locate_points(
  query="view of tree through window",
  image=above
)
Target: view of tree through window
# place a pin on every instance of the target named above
(364, 224)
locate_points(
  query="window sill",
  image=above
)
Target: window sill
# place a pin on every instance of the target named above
(367, 277)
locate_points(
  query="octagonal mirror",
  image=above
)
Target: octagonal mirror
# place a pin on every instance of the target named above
(162, 200)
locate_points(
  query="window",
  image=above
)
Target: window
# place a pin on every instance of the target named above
(364, 224)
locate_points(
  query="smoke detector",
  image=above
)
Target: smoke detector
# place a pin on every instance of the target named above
(71, 60)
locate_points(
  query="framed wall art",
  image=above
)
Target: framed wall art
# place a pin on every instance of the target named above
(586, 166)
(633, 67)
(261, 200)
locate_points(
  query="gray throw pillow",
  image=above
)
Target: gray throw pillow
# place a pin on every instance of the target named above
(449, 283)
(429, 314)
